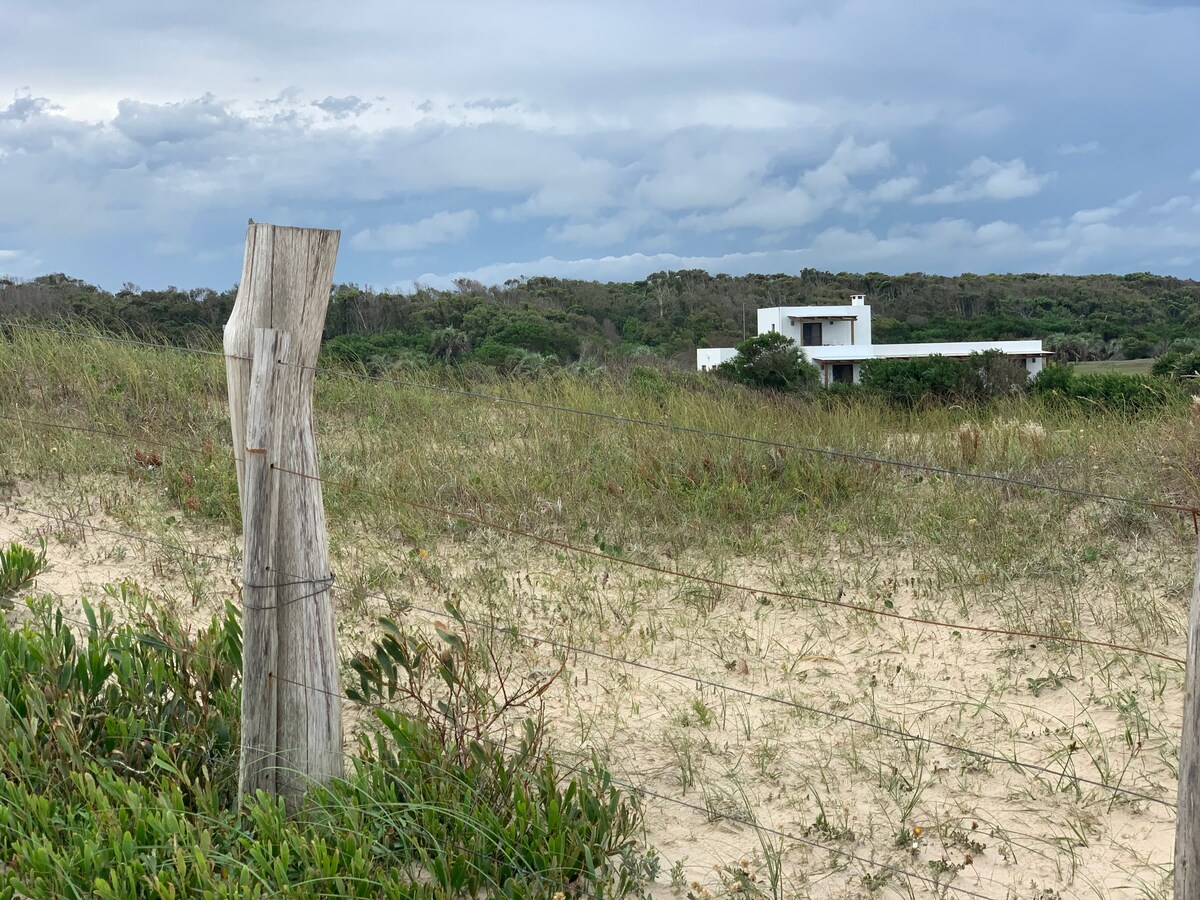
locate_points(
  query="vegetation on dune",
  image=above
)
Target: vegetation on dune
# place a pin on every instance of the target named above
(137, 776)
(771, 361)
(981, 378)
(668, 314)
(1181, 362)
(118, 776)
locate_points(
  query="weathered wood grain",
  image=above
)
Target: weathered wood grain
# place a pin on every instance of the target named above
(286, 282)
(1187, 807)
(260, 514)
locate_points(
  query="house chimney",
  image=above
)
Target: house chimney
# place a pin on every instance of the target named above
(858, 299)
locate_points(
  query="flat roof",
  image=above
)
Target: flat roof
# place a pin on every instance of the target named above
(851, 353)
(823, 318)
(824, 311)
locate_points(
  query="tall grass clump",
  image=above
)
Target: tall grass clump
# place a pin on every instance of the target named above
(118, 779)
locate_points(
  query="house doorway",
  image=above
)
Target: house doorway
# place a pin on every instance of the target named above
(843, 373)
(810, 334)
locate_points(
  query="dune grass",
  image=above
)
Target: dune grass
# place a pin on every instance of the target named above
(780, 519)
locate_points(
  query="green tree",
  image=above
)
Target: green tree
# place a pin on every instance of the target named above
(773, 361)
(447, 343)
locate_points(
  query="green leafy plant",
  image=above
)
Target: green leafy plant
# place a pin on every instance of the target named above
(473, 717)
(19, 566)
(118, 780)
(771, 360)
(1181, 362)
(456, 684)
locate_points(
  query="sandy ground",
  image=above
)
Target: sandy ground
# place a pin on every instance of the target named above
(856, 802)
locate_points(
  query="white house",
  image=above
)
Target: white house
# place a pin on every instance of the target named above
(837, 339)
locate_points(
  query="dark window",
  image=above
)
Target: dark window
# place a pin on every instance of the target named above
(843, 372)
(810, 335)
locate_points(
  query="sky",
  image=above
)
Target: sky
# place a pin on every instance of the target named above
(600, 140)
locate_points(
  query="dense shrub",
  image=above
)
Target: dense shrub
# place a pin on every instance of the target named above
(1115, 391)
(942, 379)
(493, 353)
(131, 700)
(377, 353)
(771, 360)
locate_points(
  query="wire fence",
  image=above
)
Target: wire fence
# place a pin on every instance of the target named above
(576, 549)
(325, 584)
(569, 648)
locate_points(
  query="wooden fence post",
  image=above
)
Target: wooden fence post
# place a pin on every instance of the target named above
(285, 286)
(1187, 805)
(260, 515)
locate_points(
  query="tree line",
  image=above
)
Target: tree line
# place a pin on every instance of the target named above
(531, 322)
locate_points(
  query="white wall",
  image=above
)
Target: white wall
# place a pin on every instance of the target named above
(710, 357)
(770, 319)
(833, 332)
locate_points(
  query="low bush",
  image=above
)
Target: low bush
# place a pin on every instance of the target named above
(376, 352)
(1113, 391)
(118, 777)
(1181, 361)
(980, 378)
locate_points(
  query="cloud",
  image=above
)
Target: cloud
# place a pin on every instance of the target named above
(579, 188)
(948, 246)
(638, 128)
(1079, 149)
(436, 229)
(689, 176)
(18, 263)
(1101, 214)
(740, 111)
(1195, 176)
(1106, 213)
(173, 123)
(894, 189)
(957, 245)
(777, 205)
(288, 96)
(604, 232)
(490, 103)
(25, 106)
(342, 107)
(1179, 201)
(986, 179)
